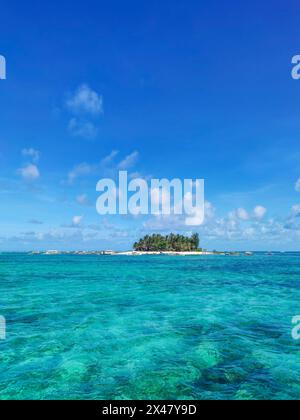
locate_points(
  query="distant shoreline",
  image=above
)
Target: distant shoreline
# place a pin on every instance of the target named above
(140, 253)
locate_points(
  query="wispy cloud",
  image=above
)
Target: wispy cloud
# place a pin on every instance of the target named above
(108, 160)
(129, 161)
(82, 128)
(31, 153)
(35, 222)
(82, 169)
(108, 166)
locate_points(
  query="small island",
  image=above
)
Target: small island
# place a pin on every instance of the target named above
(171, 243)
(155, 244)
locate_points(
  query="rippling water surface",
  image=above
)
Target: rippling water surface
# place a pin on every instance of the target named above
(155, 327)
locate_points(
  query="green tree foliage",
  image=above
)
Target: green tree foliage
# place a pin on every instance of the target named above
(170, 242)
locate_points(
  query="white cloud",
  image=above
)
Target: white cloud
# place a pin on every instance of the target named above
(296, 210)
(129, 161)
(242, 214)
(85, 100)
(32, 153)
(81, 128)
(29, 172)
(297, 185)
(77, 221)
(259, 212)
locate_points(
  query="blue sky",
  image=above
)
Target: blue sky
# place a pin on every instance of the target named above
(162, 89)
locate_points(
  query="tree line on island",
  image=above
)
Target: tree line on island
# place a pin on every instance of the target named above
(176, 243)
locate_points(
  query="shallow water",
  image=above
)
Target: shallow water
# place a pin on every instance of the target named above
(155, 327)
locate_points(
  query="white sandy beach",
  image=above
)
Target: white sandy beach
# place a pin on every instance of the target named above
(185, 253)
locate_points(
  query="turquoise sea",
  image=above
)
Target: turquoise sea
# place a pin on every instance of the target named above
(153, 327)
